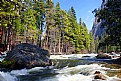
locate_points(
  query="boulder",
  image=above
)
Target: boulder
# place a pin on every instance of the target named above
(97, 72)
(99, 75)
(103, 56)
(26, 56)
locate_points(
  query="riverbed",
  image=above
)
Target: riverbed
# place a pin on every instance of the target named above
(74, 67)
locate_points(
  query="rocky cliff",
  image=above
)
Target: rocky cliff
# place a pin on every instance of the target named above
(97, 30)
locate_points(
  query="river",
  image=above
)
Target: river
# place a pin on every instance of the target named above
(76, 67)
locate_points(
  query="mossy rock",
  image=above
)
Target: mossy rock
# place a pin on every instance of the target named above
(6, 63)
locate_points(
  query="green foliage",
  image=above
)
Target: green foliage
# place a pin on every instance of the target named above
(49, 15)
(8, 12)
(92, 44)
(38, 6)
(26, 17)
(57, 15)
(76, 33)
(72, 12)
(6, 63)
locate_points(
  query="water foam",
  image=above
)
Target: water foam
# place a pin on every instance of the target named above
(19, 72)
(5, 76)
(12, 76)
(72, 56)
(88, 69)
(81, 73)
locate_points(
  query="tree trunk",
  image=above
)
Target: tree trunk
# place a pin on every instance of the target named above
(40, 42)
(66, 47)
(46, 42)
(9, 37)
(59, 46)
(1, 34)
(5, 39)
(54, 48)
(106, 48)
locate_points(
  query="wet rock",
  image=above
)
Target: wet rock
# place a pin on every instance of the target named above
(99, 75)
(103, 56)
(97, 72)
(26, 56)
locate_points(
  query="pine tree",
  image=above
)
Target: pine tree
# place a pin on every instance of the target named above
(72, 12)
(9, 12)
(39, 7)
(58, 20)
(92, 44)
(49, 37)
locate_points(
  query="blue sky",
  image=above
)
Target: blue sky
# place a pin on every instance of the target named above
(83, 9)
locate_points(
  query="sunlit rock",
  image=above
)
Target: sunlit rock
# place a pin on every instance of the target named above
(99, 75)
(103, 56)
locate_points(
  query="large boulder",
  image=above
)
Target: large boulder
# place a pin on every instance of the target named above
(26, 56)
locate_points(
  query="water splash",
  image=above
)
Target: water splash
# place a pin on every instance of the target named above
(7, 77)
(81, 73)
(73, 56)
(19, 72)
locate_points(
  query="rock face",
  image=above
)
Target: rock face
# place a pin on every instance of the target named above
(26, 56)
(97, 30)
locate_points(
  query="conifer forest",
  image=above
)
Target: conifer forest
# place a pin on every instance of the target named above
(42, 23)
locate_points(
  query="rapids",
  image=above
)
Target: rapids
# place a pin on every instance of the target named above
(65, 68)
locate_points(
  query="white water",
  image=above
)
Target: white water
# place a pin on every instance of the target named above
(73, 56)
(76, 73)
(6, 76)
(81, 73)
(19, 72)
